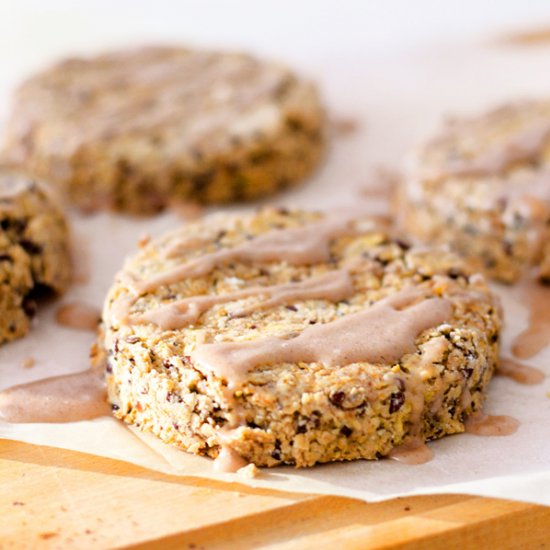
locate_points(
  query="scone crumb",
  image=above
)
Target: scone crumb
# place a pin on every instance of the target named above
(144, 240)
(249, 471)
(28, 363)
(345, 126)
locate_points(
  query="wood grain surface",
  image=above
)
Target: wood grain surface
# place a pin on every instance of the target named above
(52, 498)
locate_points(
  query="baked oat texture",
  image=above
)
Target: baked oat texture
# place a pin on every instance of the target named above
(483, 186)
(135, 130)
(34, 251)
(295, 413)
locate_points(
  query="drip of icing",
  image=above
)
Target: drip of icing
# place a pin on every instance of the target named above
(332, 286)
(308, 244)
(383, 333)
(78, 316)
(191, 243)
(523, 374)
(187, 210)
(67, 398)
(483, 424)
(537, 334)
(522, 149)
(412, 452)
(120, 309)
(228, 460)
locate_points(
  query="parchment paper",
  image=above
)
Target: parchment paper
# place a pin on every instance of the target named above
(395, 99)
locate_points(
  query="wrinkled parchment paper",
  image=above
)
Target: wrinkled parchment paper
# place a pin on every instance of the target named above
(394, 98)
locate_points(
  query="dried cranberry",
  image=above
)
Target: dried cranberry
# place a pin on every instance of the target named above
(396, 401)
(337, 398)
(30, 247)
(455, 273)
(29, 307)
(403, 245)
(467, 372)
(346, 431)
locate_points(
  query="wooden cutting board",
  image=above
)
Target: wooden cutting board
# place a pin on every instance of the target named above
(52, 498)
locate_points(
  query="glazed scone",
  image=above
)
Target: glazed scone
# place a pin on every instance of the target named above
(135, 130)
(483, 186)
(296, 337)
(34, 250)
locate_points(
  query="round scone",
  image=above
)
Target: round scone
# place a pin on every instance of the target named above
(292, 337)
(135, 130)
(34, 250)
(483, 186)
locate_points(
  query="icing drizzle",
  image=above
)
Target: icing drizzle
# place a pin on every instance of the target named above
(383, 333)
(308, 244)
(334, 286)
(66, 398)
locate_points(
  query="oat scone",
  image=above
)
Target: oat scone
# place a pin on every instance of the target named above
(296, 337)
(34, 250)
(135, 130)
(483, 186)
